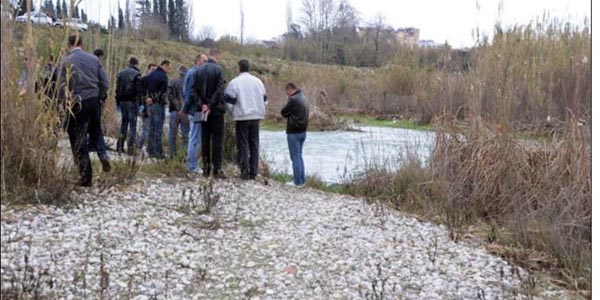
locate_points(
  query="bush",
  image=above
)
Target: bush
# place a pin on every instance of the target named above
(32, 168)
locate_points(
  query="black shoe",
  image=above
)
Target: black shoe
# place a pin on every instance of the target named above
(247, 177)
(220, 175)
(83, 183)
(105, 165)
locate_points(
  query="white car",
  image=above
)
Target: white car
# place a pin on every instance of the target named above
(37, 17)
(73, 23)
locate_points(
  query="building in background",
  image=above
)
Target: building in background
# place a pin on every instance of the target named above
(427, 44)
(407, 36)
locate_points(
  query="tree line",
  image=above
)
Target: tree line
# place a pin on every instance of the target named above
(59, 10)
(156, 19)
(331, 32)
(153, 19)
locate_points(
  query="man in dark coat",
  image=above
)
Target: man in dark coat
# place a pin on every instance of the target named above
(177, 121)
(87, 82)
(156, 84)
(296, 112)
(207, 92)
(128, 97)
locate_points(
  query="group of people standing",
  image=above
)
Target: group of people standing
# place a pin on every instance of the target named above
(197, 100)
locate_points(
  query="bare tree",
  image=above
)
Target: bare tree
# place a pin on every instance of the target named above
(127, 15)
(241, 24)
(207, 32)
(190, 16)
(378, 25)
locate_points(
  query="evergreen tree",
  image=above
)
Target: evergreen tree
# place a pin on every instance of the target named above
(23, 6)
(84, 17)
(127, 15)
(181, 20)
(64, 8)
(155, 7)
(121, 19)
(111, 23)
(59, 12)
(48, 8)
(172, 20)
(75, 11)
(162, 10)
(144, 8)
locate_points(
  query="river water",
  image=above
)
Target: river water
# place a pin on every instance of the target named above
(338, 156)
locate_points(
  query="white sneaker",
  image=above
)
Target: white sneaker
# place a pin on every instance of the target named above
(196, 171)
(292, 184)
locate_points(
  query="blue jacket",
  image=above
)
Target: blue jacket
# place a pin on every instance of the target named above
(156, 85)
(187, 90)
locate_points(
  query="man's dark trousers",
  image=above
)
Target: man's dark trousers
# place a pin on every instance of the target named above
(129, 113)
(100, 145)
(212, 139)
(83, 117)
(246, 134)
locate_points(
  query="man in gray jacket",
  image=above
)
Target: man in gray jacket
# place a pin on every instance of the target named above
(246, 99)
(83, 81)
(177, 121)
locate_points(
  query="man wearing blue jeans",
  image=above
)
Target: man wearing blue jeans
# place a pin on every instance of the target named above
(296, 111)
(128, 95)
(156, 84)
(191, 160)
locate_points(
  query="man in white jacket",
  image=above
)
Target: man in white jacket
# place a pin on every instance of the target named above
(246, 100)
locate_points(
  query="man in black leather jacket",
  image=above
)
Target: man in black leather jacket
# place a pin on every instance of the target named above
(128, 97)
(208, 89)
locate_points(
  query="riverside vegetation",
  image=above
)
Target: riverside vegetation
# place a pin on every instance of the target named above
(530, 200)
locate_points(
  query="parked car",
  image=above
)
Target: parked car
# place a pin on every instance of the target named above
(73, 23)
(37, 17)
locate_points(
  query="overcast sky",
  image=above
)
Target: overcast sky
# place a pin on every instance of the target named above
(438, 20)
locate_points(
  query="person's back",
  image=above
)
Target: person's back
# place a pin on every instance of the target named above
(128, 97)
(176, 94)
(129, 84)
(156, 84)
(84, 77)
(246, 98)
(207, 92)
(210, 86)
(177, 121)
(249, 94)
(87, 76)
(296, 111)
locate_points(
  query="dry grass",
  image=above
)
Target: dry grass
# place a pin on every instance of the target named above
(541, 193)
(31, 171)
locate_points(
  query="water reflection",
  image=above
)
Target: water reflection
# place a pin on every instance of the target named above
(339, 155)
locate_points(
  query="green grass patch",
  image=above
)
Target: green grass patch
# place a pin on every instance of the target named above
(272, 125)
(377, 122)
(317, 184)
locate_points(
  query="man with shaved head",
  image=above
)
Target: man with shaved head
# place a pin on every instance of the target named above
(189, 108)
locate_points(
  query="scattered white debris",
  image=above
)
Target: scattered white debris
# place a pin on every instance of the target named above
(260, 242)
